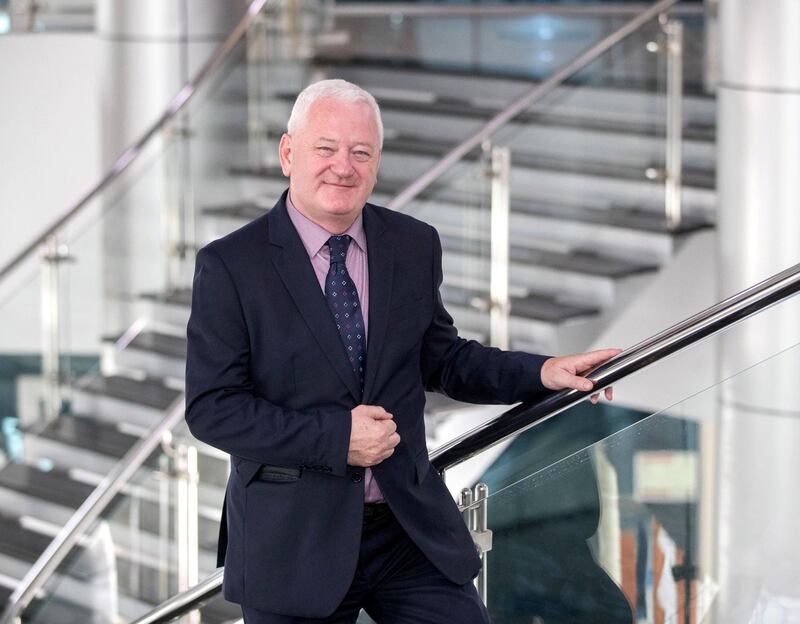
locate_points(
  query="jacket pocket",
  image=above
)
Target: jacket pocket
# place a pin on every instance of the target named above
(248, 471)
(277, 474)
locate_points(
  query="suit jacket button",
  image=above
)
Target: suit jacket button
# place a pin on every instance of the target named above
(356, 477)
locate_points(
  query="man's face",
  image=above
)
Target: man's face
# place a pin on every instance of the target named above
(332, 162)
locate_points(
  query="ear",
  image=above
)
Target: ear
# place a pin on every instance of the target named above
(285, 154)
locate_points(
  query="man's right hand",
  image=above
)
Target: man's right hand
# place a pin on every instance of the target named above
(373, 436)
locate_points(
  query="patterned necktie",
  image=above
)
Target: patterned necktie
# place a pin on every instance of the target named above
(340, 291)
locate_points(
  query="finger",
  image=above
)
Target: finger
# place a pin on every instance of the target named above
(380, 414)
(610, 393)
(594, 398)
(565, 380)
(394, 440)
(585, 361)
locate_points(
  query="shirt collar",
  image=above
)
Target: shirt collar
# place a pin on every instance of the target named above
(314, 236)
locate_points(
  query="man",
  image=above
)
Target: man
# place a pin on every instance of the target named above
(314, 332)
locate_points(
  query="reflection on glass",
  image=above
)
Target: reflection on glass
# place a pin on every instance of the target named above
(651, 518)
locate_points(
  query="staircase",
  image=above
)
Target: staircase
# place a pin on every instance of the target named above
(587, 232)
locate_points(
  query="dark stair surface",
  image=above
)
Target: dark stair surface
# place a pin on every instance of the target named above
(537, 307)
(166, 345)
(150, 392)
(51, 611)
(465, 108)
(471, 70)
(624, 217)
(178, 297)
(57, 487)
(578, 261)
(87, 433)
(435, 148)
(54, 486)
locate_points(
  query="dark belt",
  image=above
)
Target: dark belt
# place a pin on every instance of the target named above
(376, 511)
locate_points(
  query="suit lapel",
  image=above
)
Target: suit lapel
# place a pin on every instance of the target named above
(292, 264)
(380, 259)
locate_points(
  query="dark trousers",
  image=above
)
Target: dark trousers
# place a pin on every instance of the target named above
(394, 583)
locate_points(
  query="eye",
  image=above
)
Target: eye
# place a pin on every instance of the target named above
(362, 155)
(324, 149)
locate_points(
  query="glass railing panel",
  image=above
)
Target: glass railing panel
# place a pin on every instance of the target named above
(130, 255)
(529, 45)
(110, 295)
(599, 149)
(682, 516)
(141, 550)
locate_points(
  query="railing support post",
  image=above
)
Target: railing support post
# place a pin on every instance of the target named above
(186, 521)
(674, 140)
(473, 505)
(53, 253)
(500, 306)
(482, 537)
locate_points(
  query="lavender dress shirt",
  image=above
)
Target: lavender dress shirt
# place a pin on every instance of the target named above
(314, 238)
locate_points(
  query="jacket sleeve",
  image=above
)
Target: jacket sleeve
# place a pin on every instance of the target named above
(467, 370)
(222, 408)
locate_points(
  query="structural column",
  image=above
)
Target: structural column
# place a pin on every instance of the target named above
(758, 547)
(150, 49)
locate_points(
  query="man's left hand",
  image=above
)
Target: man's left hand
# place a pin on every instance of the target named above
(563, 372)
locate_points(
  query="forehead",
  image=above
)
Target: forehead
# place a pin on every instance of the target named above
(352, 122)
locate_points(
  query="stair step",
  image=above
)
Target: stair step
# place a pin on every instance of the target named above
(179, 297)
(57, 487)
(54, 486)
(534, 306)
(148, 392)
(471, 71)
(52, 610)
(624, 217)
(166, 345)
(431, 104)
(20, 542)
(86, 433)
(692, 177)
(423, 146)
(577, 261)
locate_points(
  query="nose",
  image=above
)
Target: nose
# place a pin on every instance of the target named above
(342, 165)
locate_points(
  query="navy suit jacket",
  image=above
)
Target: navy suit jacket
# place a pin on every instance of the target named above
(268, 381)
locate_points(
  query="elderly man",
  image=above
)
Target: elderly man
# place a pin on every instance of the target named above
(314, 332)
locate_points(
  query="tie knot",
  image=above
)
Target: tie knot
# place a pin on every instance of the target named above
(338, 246)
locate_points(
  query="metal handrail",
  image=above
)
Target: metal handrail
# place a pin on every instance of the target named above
(702, 325)
(378, 9)
(132, 153)
(525, 102)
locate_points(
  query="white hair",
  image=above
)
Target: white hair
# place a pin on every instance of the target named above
(335, 89)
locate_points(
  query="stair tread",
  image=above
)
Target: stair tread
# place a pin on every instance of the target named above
(426, 146)
(20, 543)
(168, 345)
(623, 217)
(150, 392)
(54, 486)
(464, 108)
(181, 297)
(67, 611)
(471, 71)
(88, 433)
(534, 306)
(579, 261)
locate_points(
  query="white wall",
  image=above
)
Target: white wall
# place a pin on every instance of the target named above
(49, 155)
(686, 285)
